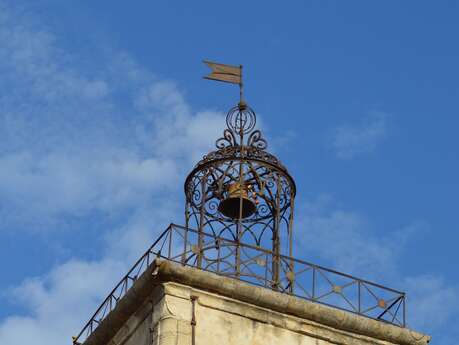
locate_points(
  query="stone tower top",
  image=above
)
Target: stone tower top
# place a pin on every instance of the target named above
(175, 304)
(235, 251)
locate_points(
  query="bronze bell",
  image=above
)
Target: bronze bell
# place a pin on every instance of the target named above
(230, 205)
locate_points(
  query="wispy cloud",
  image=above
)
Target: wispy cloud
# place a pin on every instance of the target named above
(59, 302)
(351, 140)
(433, 302)
(118, 143)
(347, 241)
(71, 145)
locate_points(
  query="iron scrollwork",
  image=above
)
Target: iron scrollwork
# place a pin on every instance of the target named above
(244, 193)
(255, 246)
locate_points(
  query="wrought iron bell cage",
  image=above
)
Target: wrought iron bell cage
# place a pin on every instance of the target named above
(242, 193)
(239, 223)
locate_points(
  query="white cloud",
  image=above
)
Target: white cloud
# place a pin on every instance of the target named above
(351, 140)
(57, 184)
(432, 303)
(349, 243)
(74, 143)
(346, 240)
(119, 142)
(59, 302)
(122, 140)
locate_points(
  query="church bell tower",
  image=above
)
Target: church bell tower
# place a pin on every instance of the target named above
(228, 275)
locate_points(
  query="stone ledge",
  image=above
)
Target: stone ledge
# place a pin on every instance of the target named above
(163, 271)
(288, 322)
(284, 303)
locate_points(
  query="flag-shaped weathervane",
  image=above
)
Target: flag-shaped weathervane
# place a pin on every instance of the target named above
(225, 73)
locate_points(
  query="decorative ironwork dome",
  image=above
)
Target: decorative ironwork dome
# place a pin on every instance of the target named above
(242, 193)
(239, 223)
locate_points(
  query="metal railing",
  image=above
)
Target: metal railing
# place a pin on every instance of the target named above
(255, 265)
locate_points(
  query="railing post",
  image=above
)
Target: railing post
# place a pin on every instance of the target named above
(313, 282)
(266, 269)
(169, 250)
(359, 295)
(290, 233)
(185, 237)
(404, 310)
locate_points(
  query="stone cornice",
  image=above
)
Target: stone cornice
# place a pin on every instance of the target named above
(165, 271)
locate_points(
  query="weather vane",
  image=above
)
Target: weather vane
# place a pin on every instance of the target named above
(239, 214)
(227, 74)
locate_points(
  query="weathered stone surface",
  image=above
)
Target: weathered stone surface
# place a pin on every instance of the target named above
(159, 310)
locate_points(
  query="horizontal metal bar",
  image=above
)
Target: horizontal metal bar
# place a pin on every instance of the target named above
(291, 259)
(260, 279)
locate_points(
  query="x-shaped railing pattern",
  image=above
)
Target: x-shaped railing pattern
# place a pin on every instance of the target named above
(260, 267)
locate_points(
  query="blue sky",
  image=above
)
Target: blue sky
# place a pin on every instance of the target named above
(103, 112)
